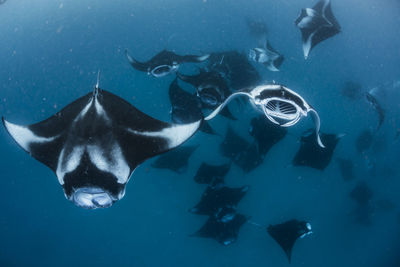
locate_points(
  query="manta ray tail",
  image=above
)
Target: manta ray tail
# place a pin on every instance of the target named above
(136, 64)
(317, 122)
(220, 107)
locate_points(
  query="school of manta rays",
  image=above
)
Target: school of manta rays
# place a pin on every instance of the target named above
(94, 144)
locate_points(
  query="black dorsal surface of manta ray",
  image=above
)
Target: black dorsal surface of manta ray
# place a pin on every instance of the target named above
(311, 154)
(266, 133)
(316, 25)
(211, 89)
(175, 160)
(377, 107)
(286, 234)
(217, 197)
(211, 174)
(95, 143)
(233, 144)
(267, 56)
(185, 107)
(346, 167)
(279, 104)
(163, 63)
(235, 68)
(224, 230)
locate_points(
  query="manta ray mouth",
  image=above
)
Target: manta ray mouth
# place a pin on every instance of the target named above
(92, 198)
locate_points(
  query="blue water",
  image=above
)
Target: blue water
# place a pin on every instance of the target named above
(50, 52)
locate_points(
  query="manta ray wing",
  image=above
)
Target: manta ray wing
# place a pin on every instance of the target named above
(44, 140)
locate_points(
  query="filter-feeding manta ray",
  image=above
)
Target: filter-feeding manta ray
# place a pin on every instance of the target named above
(94, 144)
(163, 63)
(279, 104)
(211, 89)
(286, 234)
(316, 25)
(267, 56)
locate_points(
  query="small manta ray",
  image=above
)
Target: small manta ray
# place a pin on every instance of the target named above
(211, 174)
(2, 1)
(279, 104)
(346, 167)
(163, 63)
(267, 56)
(211, 89)
(175, 160)
(223, 229)
(378, 108)
(186, 108)
(286, 234)
(94, 144)
(266, 133)
(217, 197)
(311, 154)
(316, 25)
(233, 145)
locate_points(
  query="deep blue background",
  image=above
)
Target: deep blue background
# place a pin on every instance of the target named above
(50, 52)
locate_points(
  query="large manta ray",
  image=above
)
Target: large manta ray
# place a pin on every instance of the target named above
(316, 25)
(95, 143)
(163, 63)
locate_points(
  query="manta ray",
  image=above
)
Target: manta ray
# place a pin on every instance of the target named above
(163, 63)
(281, 105)
(94, 144)
(267, 56)
(211, 89)
(286, 234)
(224, 227)
(310, 154)
(316, 25)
